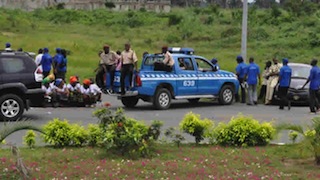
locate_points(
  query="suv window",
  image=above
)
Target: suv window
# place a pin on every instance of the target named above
(12, 65)
(185, 63)
(203, 65)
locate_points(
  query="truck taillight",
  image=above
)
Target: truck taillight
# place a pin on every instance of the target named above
(138, 81)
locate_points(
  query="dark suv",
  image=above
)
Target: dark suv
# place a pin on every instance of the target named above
(20, 84)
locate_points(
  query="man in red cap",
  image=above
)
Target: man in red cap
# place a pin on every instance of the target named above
(109, 60)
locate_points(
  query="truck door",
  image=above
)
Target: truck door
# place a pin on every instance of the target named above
(208, 80)
(187, 81)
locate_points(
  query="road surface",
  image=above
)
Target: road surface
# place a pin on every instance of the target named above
(171, 117)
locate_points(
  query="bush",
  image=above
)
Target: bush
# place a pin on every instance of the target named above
(95, 135)
(56, 132)
(193, 125)
(30, 139)
(61, 133)
(174, 19)
(125, 134)
(177, 138)
(78, 135)
(243, 131)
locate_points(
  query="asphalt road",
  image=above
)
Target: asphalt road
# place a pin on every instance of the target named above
(171, 117)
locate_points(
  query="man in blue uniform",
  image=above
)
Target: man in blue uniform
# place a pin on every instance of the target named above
(214, 61)
(241, 71)
(253, 76)
(284, 84)
(46, 62)
(313, 87)
(58, 64)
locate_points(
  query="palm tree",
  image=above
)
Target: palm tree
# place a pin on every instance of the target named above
(311, 135)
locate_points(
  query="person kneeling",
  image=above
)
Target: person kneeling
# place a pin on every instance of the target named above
(74, 88)
(60, 92)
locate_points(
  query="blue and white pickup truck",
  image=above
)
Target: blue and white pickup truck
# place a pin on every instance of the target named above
(196, 78)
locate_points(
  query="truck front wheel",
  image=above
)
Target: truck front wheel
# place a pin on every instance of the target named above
(162, 99)
(226, 95)
(130, 102)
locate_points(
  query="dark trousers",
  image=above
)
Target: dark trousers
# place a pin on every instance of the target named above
(45, 73)
(126, 69)
(263, 91)
(314, 100)
(111, 69)
(61, 75)
(100, 76)
(243, 92)
(283, 94)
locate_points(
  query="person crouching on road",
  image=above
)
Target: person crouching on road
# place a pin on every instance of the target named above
(284, 84)
(60, 92)
(74, 88)
(253, 77)
(47, 89)
(313, 87)
(95, 92)
(86, 92)
(241, 71)
(129, 62)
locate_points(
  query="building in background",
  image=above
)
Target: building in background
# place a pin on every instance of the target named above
(149, 5)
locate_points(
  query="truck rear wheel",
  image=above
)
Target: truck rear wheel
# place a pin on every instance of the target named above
(226, 95)
(162, 99)
(11, 107)
(130, 102)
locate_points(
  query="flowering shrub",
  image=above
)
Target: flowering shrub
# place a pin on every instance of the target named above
(30, 139)
(193, 125)
(243, 131)
(127, 135)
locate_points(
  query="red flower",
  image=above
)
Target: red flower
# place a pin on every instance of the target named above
(107, 104)
(120, 124)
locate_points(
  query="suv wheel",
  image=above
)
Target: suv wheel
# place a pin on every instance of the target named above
(11, 107)
(162, 99)
(226, 95)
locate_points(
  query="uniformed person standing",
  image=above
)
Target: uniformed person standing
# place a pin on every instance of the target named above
(313, 87)
(129, 62)
(273, 79)
(110, 61)
(241, 71)
(284, 84)
(253, 77)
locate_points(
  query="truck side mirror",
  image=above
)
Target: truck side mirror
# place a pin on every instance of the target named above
(215, 68)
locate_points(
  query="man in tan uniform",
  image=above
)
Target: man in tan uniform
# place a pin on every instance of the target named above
(273, 78)
(129, 62)
(168, 60)
(109, 59)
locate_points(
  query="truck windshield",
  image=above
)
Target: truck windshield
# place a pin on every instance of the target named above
(150, 60)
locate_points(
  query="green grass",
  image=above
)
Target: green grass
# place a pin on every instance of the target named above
(186, 162)
(85, 32)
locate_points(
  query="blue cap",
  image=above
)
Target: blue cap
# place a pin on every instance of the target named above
(58, 82)
(45, 49)
(239, 57)
(285, 61)
(58, 49)
(8, 45)
(214, 60)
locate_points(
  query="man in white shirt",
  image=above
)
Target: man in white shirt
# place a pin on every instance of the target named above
(39, 57)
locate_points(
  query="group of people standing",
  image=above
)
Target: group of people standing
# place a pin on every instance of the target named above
(58, 63)
(126, 62)
(275, 75)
